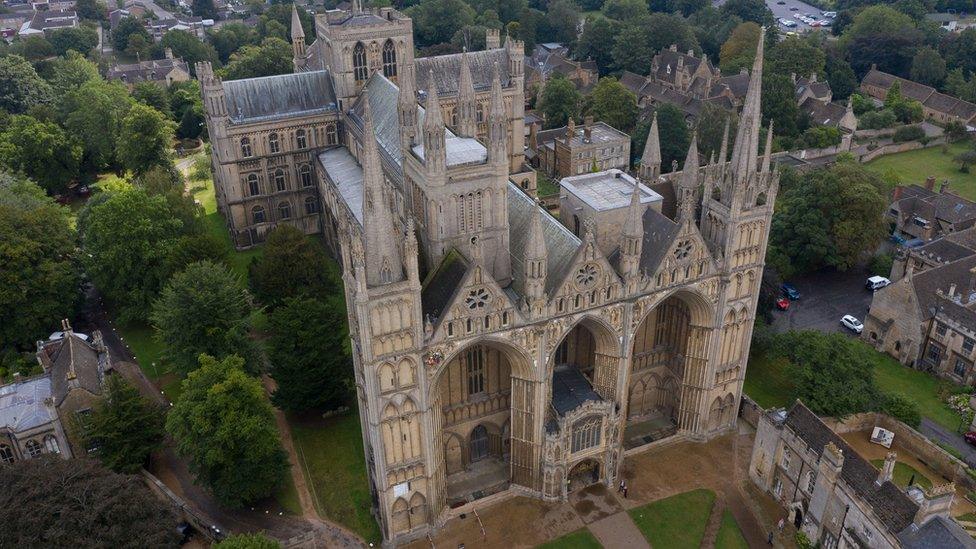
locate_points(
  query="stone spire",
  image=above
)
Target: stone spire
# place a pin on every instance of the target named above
(497, 122)
(745, 151)
(383, 262)
(632, 235)
(297, 40)
(296, 24)
(407, 106)
(410, 252)
(650, 167)
(768, 154)
(467, 105)
(435, 155)
(688, 184)
(536, 256)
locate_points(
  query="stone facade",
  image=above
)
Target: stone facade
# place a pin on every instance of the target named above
(573, 150)
(495, 350)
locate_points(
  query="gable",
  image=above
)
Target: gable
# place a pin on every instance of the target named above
(478, 304)
(686, 257)
(589, 279)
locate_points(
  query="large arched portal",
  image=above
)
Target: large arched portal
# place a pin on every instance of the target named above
(591, 349)
(667, 370)
(485, 423)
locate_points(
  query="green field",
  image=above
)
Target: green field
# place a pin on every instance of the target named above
(580, 539)
(915, 166)
(767, 382)
(287, 497)
(675, 522)
(332, 450)
(904, 473)
(729, 534)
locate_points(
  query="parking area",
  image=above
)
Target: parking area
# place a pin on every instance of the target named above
(785, 11)
(826, 296)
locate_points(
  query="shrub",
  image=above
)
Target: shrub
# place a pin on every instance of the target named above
(880, 265)
(908, 133)
(877, 120)
(902, 409)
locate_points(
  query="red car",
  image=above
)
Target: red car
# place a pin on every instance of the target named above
(970, 437)
(783, 303)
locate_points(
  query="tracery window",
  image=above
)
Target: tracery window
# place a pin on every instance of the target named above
(33, 448)
(253, 188)
(311, 205)
(477, 299)
(305, 174)
(586, 433)
(246, 151)
(6, 454)
(331, 134)
(360, 72)
(51, 444)
(257, 214)
(279, 179)
(389, 59)
(301, 139)
(273, 144)
(475, 365)
(284, 210)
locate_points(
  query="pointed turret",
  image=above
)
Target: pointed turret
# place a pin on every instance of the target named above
(536, 256)
(497, 122)
(650, 167)
(297, 39)
(745, 152)
(407, 107)
(434, 133)
(467, 105)
(768, 154)
(632, 236)
(383, 262)
(688, 184)
(723, 155)
(410, 252)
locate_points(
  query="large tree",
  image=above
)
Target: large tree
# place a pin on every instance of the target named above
(81, 39)
(144, 139)
(596, 42)
(125, 427)
(292, 265)
(562, 19)
(188, 46)
(93, 113)
(40, 150)
(204, 8)
(673, 132)
(231, 37)
(70, 72)
(225, 425)
(799, 56)
(203, 310)
(432, 26)
(928, 67)
(38, 272)
(273, 56)
(125, 29)
(20, 86)
(308, 357)
(739, 51)
(710, 127)
(92, 10)
(883, 36)
(559, 101)
(614, 104)
(840, 76)
(54, 502)
(960, 50)
(779, 104)
(749, 10)
(625, 10)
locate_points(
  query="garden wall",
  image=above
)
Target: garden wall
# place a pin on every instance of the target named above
(918, 444)
(894, 148)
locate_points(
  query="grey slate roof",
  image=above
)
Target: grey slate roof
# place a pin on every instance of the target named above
(561, 243)
(343, 170)
(823, 114)
(939, 532)
(383, 97)
(570, 389)
(22, 404)
(74, 363)
(892, 506)
(442, 284)
(659, 233)
(447, 68)
(276, 97)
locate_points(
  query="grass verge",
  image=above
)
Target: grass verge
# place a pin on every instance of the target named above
(915, 166)
(729, 534)
(905, 473)
(580, 539)
(675, 522)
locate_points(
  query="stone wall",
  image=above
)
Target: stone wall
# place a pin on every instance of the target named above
(749, 411)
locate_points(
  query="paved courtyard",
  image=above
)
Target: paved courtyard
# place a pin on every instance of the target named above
(719, 465)
(826, 296)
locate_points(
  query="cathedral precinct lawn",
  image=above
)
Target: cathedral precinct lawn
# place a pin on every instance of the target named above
(580, 539)
(915, 166)
(904, 473)
(331, 455)
(675, 522)
(729, 534)
(766, 380)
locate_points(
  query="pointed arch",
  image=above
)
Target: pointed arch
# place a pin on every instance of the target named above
(359, 66)
(389, 59)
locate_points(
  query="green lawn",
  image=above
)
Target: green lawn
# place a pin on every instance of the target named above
(203, 192)
(675, 522)
(729, 534)
(546, 186)
(287, 497)
(767, 382)
(336, 470)
(580, 539)
(919, 387)
(904, 473)
(915, 166)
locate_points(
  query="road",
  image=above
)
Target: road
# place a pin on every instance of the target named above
(939, 433)
(826, 296)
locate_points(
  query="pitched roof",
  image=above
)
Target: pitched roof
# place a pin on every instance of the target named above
(570, 389)
(659, 233)
(282, 96)
(154, 70)
(737, 83)
(442, 284)
(447, 68)
(940, 531)
(823, 114)
(632, 81)
(561, 243)
(74, 363)
(22, 405)
(892, 506)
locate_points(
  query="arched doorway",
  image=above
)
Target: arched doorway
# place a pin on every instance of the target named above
(669, 356)
(583, 474)
(590, 349)
(484, 427)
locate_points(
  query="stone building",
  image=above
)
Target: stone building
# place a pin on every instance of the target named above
(937, 106)
(38, 415)
(494, 350)
(573, 150)
(836, 497)
(162, 72)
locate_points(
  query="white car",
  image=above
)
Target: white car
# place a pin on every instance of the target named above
(852, 324)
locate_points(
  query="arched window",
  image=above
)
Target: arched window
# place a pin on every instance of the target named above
(33, 448)
(389, 59)
(311, 205)
(360, 72)
(51, 444)
(279, 179)
(284, 210)
(586, 433)
(252, 185)
(246, 151)
(454, 117)
(257, 214)
(300, 139)
(479, 443)
(481, 112)
(6, 454)
(273, 145)
(331, 135)
(305, 174)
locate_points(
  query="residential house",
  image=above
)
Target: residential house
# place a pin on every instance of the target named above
(572, 150)
(937, 106)
(191, 24)
(45, 22)
(553, 58)
(918, 212)
(163, 72)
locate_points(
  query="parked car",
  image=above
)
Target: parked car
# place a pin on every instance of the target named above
(789, 23)
(829, 14)
(852, 324)
(794, 8)
(783, 303)
(970, 437)
(876, 283)
(790, 292)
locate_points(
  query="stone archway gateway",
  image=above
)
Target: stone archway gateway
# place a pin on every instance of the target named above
(583, 474)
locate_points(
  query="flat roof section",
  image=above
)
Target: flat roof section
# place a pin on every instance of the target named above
(607, 190)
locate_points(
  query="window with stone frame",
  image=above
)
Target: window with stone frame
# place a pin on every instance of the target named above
(301, 139)
(331, 134)
(967, 345)
(586, 433)
(6, 454)
(253, 188)
(284, 210)
(311, 205)
(51, 444)
(33, 448)
(811, 481)
(246, 150)
(257, 214)
(475, 366)
(359, 68)
(785, 462)
(305, 175)
(389, 59)
(961, 367)
(940, 329)
(274, 144)
(934, 353)
(279, 180)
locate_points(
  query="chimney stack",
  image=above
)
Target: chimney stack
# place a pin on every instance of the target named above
(896, 194)
(952, 290)
(888, 469)
(944, 186)
(930, 182)
(169, 53)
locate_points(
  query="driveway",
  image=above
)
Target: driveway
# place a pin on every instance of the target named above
(939, 433)
(826, 296)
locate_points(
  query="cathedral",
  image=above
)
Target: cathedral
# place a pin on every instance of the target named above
(497, 350)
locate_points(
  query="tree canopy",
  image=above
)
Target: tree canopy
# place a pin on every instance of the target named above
(144, 139)
(225, 425)
(614, 104)
(20, 86)
(559, 102)
(739, 51)
(292, 265)
(273, 56)
(40, 150)
(125, 427)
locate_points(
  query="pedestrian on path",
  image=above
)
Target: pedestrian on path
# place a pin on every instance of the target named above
(625, 491)
(621, 487)
(769, 538)
(780, 524)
